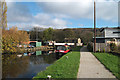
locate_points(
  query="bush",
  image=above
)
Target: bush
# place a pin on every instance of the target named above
(104, 50)
(119, 48)
(90, 46)
(98, 50)
(113, 47)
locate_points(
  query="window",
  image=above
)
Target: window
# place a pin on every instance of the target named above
(115, 32)
(61, 48)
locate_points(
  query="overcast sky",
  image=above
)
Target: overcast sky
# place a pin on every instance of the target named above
(63, 14)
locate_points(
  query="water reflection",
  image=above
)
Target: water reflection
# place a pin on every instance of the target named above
(13, 66)
(23, 66)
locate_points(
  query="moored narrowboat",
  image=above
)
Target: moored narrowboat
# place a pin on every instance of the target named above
(62, 49)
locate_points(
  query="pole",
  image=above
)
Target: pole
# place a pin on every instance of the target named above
(94, 27)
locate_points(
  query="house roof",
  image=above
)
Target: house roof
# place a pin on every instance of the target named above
(101, 29)
(107, 37)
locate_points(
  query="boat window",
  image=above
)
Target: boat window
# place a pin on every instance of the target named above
(61, 48)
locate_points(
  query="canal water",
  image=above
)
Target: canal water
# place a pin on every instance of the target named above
(27, 66)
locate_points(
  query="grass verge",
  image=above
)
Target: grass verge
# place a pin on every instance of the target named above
(110, 61)
(64, 67)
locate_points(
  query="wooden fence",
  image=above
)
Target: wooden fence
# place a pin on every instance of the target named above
(102, 47)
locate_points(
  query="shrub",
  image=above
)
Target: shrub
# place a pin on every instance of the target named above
(98, 50)
(113, 47)
(119, 48)
(90, 46)
(104, 50)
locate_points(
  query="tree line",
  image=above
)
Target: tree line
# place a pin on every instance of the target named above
(58, 35)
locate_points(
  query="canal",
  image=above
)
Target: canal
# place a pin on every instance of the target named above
(27, 66)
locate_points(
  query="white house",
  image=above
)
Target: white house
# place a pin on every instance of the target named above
(109, 35)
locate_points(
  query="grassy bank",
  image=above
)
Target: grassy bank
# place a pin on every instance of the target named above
(110, 61)
(66, 67)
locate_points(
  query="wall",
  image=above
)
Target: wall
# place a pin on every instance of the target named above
(109, 33)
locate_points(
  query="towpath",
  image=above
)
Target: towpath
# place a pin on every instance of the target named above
(90, 67)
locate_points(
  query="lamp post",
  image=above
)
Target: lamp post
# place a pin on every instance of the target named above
(94, 27)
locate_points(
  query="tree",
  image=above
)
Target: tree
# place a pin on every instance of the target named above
(69, 33)
(11, 38)
(23, 37)
(113, 47)
(36, 34)
(58, 35)
(86, 36)
(8, 41)
(48, 34)
(3, 14)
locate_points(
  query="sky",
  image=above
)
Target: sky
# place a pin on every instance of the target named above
(61, 14)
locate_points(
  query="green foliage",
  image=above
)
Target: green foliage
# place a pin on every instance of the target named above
(113, 47)
(58, 35)
(76, 48)
(98, 50)
(34, 34)
(64, 67)
(110, 61)
(104, 50)
(69, 33)
(86, 36)
(48, 34)
(119, 48)
(90, 46)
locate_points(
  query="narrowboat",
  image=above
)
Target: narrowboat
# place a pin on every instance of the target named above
(62, 49)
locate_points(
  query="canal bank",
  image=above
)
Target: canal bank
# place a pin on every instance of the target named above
(40, 48)
(66, 67)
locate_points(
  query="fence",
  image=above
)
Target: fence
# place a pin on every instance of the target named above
(102, 47)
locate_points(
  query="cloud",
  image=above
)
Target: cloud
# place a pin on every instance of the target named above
(49, 20)
(19, 14)
(72, 10)
(106, 9)
(58, 0)
(22, 26)
(57, 14)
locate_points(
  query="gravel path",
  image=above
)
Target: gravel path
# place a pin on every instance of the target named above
(90, 67)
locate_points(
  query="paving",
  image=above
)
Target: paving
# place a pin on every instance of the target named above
(90, 67)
